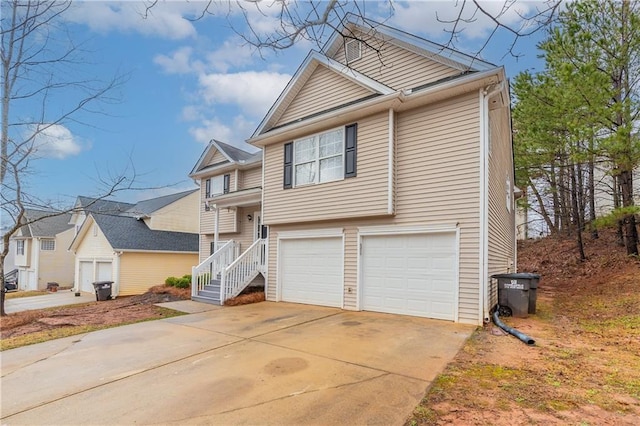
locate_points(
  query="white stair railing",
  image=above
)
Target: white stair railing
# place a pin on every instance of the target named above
(243, 270)
(209, 269)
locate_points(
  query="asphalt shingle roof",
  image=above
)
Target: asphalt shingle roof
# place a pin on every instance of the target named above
(129, 233)
(93, 205)
(146, 207)
(237, 154)
(45, 226)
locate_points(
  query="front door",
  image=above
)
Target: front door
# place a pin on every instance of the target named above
(257, 225)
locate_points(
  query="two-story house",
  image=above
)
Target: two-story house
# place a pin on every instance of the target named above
(41, 254)
(388, 178)
(135, 246)
(230, 181)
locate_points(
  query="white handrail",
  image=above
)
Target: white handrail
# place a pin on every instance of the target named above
(243, 270)
(209, 269)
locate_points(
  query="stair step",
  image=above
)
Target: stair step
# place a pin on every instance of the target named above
(205, 300)
(209, 294)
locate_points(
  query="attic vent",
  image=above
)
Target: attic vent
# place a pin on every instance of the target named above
(353, 50)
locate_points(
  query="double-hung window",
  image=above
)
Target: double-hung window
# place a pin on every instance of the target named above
(324, 157)
(217, 186)
(20, 247)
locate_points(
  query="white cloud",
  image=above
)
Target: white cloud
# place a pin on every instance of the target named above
(235, 132)
(233, 53)
(253, 91)
(178, 62)
(435, 17)
(165, 19)
(55, 141)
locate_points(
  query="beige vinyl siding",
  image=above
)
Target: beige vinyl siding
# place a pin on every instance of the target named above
(325, 89)
(399, 68)
(227, 217)
(180, 216)
(217, 157)
(140, 271)
(251, 178)
(438, 181)
(364, 195)
(501, 238)
(94, 245)
(57, 265)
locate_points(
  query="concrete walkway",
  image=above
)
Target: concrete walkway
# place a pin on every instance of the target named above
(266, 363)
(50, 300)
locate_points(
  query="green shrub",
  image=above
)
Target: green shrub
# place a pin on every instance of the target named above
(183, 282)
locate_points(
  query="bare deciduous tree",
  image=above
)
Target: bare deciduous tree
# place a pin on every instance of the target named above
(40, 64)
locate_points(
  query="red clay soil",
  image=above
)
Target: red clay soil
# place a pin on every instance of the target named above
(585, 366)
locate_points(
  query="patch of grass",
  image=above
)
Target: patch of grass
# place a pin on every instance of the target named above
(29, 293)
(60, 332)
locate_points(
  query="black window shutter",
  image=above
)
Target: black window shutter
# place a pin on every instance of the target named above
(350, 149)
(212, 250)
(207, 188)
(288, 165)
(225, 183)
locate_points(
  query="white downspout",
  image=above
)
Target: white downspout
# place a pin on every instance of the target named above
(391, 160)
(116, 284)
(485, 94)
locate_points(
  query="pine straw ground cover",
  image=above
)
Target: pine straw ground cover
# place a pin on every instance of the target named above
(28, 327)
(585, 366)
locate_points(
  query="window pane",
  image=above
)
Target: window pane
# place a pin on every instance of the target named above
(331, 169)
(305, 150)
(331, 143)
(217, 187)
(305, 173)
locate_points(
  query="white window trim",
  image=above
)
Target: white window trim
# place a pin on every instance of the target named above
(20, 247)
(45, 242)
(317, 159)
(212, 181)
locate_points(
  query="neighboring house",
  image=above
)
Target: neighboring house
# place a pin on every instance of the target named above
(230, 181)
(136, 246)
(41, 254)
(388, 179)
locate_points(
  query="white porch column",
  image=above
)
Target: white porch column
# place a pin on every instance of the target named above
(216, 226)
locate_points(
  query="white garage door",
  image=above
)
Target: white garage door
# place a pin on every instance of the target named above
(311, 271)
(410, 274)
(86, 277)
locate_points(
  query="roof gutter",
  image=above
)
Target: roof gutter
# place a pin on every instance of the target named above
(399, 101)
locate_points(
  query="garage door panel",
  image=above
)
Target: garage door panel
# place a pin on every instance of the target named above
(418, 277)
(311, 271)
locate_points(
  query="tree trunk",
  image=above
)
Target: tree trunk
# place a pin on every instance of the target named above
(576, 212)
(592, 194)
(543, 210)
(629, 220)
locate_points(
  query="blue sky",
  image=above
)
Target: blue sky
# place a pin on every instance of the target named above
(188, 82)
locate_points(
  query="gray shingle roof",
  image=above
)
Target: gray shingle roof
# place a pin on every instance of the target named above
(236, 154)
(45, 226)
(146, 207)
(128, 233)
(93, 205)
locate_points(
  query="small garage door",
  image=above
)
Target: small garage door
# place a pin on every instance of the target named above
(410, 274)
(311, 271)
(86, 277)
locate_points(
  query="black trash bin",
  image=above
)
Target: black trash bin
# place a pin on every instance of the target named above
(517, 293)
(103, 290)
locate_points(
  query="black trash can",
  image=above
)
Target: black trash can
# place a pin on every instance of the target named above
(517, 293)
(103, 290)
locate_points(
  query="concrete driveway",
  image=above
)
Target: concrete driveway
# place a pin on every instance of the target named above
(266, 363)
(59, 298)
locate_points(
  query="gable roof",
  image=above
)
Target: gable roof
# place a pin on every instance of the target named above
(49, 223)
(433, 51)
(126, 233)
(146, 207)
(233, 154)
(437, 52)
(97, 205)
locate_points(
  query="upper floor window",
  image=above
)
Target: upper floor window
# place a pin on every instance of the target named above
(47, 245)
(509, 195)
(217, 185)
(20, 247)
(323, 157)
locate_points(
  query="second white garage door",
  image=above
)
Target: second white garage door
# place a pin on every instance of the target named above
(413, 274)
(311, 271)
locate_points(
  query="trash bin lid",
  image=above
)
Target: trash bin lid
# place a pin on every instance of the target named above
(102, 283)
(518, 275)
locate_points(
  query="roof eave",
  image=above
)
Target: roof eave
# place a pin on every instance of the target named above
(399, 100)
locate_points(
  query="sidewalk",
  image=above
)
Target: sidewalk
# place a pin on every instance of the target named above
(59, 298)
